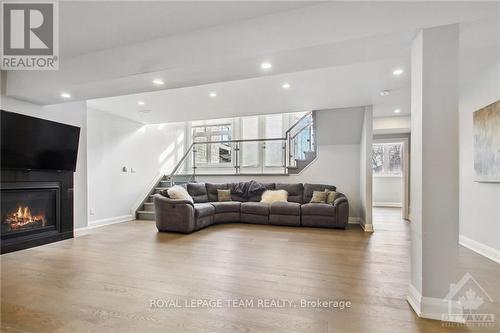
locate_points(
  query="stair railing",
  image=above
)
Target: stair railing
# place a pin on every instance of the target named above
(292, 146)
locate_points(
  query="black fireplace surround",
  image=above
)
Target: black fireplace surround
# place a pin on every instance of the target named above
(38, 159)
(36, 208)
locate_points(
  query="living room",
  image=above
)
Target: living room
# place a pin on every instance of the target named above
(257, 166)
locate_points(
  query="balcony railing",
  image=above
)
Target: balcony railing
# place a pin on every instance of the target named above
(248, 156)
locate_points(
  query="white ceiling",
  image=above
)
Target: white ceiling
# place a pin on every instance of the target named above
(334, 54)
(141, 21)
(315, 89)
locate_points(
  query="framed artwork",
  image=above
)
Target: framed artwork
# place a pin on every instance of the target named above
(487, 143)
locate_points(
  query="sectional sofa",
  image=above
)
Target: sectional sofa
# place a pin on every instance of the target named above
(185, 216)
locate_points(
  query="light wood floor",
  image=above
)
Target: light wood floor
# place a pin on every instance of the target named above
(105, 280)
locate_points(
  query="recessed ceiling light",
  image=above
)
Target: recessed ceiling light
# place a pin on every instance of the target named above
(397, 111)
(213, 94)
(286, 85)
(65, 95)
(141, 103)
(384, 92)
(266, 65)
(397, 72)
(158, 82)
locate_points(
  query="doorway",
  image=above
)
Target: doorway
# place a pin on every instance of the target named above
(390, 170)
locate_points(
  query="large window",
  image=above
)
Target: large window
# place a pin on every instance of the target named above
(387, 159)
(213, 153)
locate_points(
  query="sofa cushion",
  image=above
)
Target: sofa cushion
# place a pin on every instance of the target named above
(226, 206)
(331, 196)
(310, 188)
(322, 209)
(256, 208)
(319, 197)
(203, 209)
(257, 198)
(179, 192)
(212, 190)
(223, 195)
(295, 191)
(285, 208)
(271, 196)
(198, 192)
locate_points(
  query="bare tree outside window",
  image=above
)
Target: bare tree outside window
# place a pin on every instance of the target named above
(387, 159)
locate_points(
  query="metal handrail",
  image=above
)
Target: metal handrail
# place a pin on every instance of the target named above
(240, 140)
(300, 131)
(297, 122)
(288, 138)
(181, 161)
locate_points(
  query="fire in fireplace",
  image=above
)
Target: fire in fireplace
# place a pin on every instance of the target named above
(23, 219)
(28, 209)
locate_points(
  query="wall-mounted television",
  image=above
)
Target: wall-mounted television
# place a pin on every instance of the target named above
(34, 143)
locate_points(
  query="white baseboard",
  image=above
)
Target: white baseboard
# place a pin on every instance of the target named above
(103, 222)
(480, 248)
(432, 308)
(387, 204)
(366, 227)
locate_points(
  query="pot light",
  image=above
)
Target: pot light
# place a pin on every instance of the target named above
(397, 72)
(65, 95)
(141, 103)
(385, 93)
(158, 82)
(213, 94)
(397, 111)
(286, 86)
(266, 65)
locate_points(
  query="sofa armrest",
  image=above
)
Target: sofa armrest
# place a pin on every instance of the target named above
(342, 211)
(174, 214)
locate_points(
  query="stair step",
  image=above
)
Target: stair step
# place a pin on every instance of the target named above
(149, 206)
(145, 215)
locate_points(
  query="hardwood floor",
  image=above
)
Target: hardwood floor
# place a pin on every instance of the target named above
(104, 281)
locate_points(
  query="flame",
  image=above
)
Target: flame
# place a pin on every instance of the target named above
(23, 218)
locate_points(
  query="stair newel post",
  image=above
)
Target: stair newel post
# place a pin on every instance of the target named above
(237, 157)
(283, 147)
(194, 160)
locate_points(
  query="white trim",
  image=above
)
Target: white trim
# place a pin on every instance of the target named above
(430, 307)
(480, 248)
(353, 220)
(387, 204)
(366, 227)
(103, 222)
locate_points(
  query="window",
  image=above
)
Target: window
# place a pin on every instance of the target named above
(273, 153)
(249, 150)
(213, 153)
(387, 159)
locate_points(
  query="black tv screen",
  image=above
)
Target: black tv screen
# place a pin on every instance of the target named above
(33, 143)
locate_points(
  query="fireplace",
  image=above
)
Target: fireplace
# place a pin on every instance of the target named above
(29, 208)
(36, 208)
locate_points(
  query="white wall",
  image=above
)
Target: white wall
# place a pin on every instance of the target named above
(391, 125)
(387, 191)
(72, 114)
(115, 142)
(338, 160)
(479, 202)
(336, 165)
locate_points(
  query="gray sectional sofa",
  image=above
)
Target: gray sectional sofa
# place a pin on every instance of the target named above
(184, 216)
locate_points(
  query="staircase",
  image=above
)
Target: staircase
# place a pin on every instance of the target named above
(298, 147)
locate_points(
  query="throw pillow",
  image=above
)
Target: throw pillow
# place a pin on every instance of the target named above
(223, 195)
(318, 197)
(179, 192)
(271, 196)
(330, 197)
